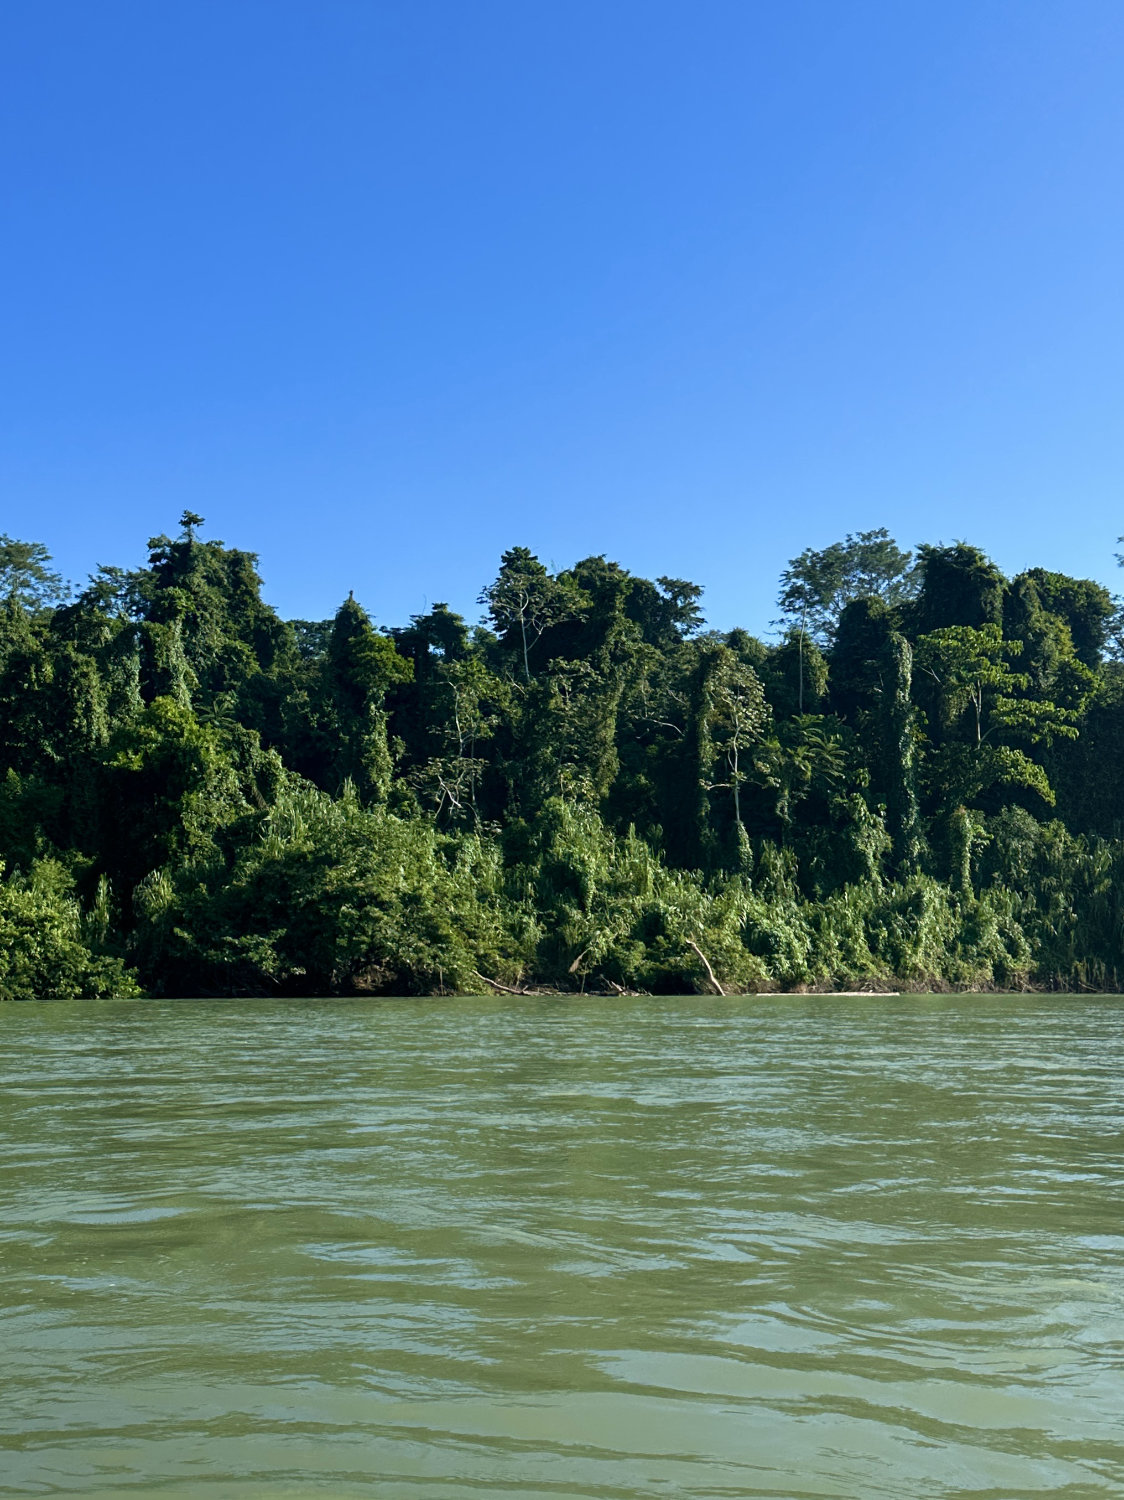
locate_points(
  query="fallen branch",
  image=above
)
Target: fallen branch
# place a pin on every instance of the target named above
(496, 985)
(706, 966)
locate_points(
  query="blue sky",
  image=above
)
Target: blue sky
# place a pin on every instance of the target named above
(382, 289)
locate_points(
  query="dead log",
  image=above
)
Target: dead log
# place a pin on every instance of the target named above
(706, 966)
(496, 985)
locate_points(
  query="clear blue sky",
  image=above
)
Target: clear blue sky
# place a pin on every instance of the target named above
(383, 287)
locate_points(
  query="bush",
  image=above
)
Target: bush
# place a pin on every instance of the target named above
(45, 949)
(329, 897)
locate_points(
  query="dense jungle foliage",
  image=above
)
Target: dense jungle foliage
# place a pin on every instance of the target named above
(920, 783)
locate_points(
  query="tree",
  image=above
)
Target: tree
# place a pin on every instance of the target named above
(978, 696)
(739, 715)
(804, 758)
(898, 740)
(959, 586)
(361, 666)
(566, 732)
(721, 711)
(462, 704)
(1048, 659)
(26, 577)
(680, 605)
(1084, 606)
(525, 600)
(794, 674)
(172, 783)
(817, 585)
(858, 658)
(1089, 775)
(871, 677)
(203, 634)
(977, 704)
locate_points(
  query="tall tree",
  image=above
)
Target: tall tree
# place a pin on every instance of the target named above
(525, 600)
(26, 576)
(871, 680)
(1084, 606)
(361, 666)
(896, 778)
(976, 707)
(818, 585)
(959, 586)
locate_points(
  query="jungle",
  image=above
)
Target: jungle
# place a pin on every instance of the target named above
(919, 783)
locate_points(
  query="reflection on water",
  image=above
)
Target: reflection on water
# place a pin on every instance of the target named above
(778, 1248)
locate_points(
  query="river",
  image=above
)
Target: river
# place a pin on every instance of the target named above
(782, 1248)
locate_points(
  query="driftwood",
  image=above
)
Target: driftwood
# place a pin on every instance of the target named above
(496, 985)
(611, 988)
(706, 966)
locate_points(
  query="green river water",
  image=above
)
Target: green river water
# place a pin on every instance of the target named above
(556, 1248)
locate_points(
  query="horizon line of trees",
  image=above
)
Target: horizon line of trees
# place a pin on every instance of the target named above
(920, 782)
